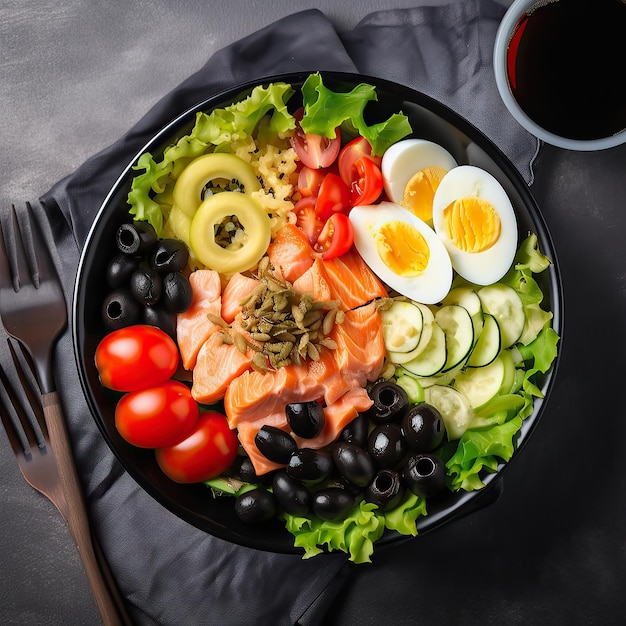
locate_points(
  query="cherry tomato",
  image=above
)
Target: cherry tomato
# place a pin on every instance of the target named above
(309, 181)
(350, 154)
(306, 218)
(136, 357)
(368, 185)
(209, 450)
(334, 196)
(158, 416)
(337, 236)
(315, 151)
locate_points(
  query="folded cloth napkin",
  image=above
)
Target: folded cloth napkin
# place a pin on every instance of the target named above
(170, 572)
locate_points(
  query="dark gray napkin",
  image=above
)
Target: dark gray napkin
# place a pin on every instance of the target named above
(170, 572)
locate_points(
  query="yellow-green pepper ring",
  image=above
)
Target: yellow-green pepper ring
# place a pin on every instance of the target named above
(194, 178)
(252, 217)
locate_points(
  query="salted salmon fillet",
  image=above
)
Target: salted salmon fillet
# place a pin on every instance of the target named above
(290, 252)
(193, 327)
(239, 287)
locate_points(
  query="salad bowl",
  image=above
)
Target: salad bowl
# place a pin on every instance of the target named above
(194, 503)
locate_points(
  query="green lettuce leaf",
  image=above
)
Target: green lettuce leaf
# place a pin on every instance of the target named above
(324, 110)
(402, 518)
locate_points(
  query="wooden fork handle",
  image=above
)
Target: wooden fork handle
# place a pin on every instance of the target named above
(101, 581)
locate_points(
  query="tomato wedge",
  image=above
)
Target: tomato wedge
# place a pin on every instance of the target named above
(336, 237)
(309, 181)
(350, 154)
(315, 151)
(307, 219)
(368, 185)
(333, 197)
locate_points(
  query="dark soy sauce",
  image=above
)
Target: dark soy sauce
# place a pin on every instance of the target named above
(567, 67)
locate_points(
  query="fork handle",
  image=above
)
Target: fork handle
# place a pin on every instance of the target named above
(101, 581)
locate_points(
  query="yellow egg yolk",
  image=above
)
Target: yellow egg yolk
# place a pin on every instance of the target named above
(420, 191)
(402, 248)
(472, 224)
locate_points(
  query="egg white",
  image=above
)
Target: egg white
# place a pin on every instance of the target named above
(407, 157)
(489, 266)
(429, 287)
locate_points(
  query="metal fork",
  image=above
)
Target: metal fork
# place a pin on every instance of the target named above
(33, 311)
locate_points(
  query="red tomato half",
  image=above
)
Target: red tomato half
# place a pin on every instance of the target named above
(337, 236)
(306, 218)
(309, 181)
(157, 416)
(209, 450)
(136, 357)
(350, 154)
(315, 151)
(334, 196)
(368, 185)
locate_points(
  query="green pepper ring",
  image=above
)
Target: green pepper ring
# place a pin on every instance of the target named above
(252, 217)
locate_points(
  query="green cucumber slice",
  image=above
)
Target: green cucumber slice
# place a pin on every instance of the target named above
(455, 410)
(456, 323)
(504, 303)
(402, 326)
(432, 359)
(488, 343)
(469, 300)
(428, 320)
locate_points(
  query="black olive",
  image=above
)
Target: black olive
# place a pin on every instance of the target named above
(353, 463)
(120, 269)
(291, 495)
(159, 317)
(332, 504)
(275, 444)
(170, 255)
(120, 309)
(424, 475)
(177, 295)
(255, 506)
(306, 419)
(146, 285)
(356, 431)
(390, 402)
(310, 466)
(136, 238)
(243, 469)
(386, 445)
(423, 428)
(386, 490)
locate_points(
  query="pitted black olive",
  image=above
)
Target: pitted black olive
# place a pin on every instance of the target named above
(353, 463)
(176, 294)
(255, 506)
(120, 309)
(390, 402)
(120, 269)
(386, 445)
(136, 238)
(291, 495)
(423, 428)
(424, 475)
(306, 419)
(356, 431)
(170, 255)
(332, 504)
(146, 285)
(310, 466)
(159, 317)
(243, 469)
(275, 444)
(386, 490)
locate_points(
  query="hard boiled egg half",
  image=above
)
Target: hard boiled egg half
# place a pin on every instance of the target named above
(412, 170)
(403, 251)
(473, 216)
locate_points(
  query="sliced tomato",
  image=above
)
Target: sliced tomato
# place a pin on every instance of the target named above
(309, 181)
(334, 196)
(315, 151)
(307, 219)
(336, 237)
(350, 154)
(368, 185)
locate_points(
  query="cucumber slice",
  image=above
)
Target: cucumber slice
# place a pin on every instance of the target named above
(402, 326)
(455, 410)
(504, 303)
(481, 384)
(428, 320)
(432, 359)
(456, 323)
(413, 389)
(488, 343)
(469, 300)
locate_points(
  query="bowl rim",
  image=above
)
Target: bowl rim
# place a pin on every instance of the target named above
(464, 502)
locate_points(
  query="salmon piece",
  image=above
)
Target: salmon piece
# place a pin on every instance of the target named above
(290, 252)
(315, 282)
(217, 365)
(192, 327)
(239, 287)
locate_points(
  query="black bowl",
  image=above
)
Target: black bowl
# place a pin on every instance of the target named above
(193, 503)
